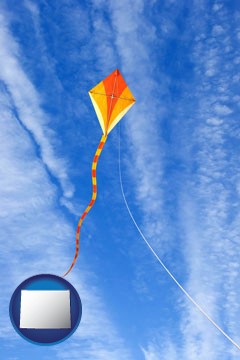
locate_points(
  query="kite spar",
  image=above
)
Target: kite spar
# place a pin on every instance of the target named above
(111, 99)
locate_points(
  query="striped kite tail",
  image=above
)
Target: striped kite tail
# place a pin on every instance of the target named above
(93, 199)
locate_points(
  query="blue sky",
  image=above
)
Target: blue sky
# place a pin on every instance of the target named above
(180, 168)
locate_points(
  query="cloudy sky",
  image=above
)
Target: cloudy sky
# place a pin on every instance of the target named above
(180, 146)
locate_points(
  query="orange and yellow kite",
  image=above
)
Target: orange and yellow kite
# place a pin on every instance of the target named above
(111, 99)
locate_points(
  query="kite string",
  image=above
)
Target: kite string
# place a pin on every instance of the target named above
(160, 261)
(92, 201)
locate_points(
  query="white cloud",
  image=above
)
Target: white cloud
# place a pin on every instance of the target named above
(204, 198)
(32, 7)
(130, 25)
(164, 351)
(217, 7)
(207, 207)
(27, 102)
(37, 230)
(34, 231)
(214, 121)
(34, 236)
(222, 109)
(217, 30)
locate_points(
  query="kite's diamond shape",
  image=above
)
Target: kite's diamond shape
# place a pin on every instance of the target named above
(111, 99)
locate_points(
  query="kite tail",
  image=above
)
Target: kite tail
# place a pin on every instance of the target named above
(93, 199)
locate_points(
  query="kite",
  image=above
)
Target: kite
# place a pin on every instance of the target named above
(111, 99)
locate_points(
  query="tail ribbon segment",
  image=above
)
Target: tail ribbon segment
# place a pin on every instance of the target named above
(91, 203)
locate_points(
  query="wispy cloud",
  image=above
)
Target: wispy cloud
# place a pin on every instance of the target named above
(34, 230)
(205, 197)
(27, 104)
(209, 216)
(180, 170)
(135, 36)
(165, 350)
